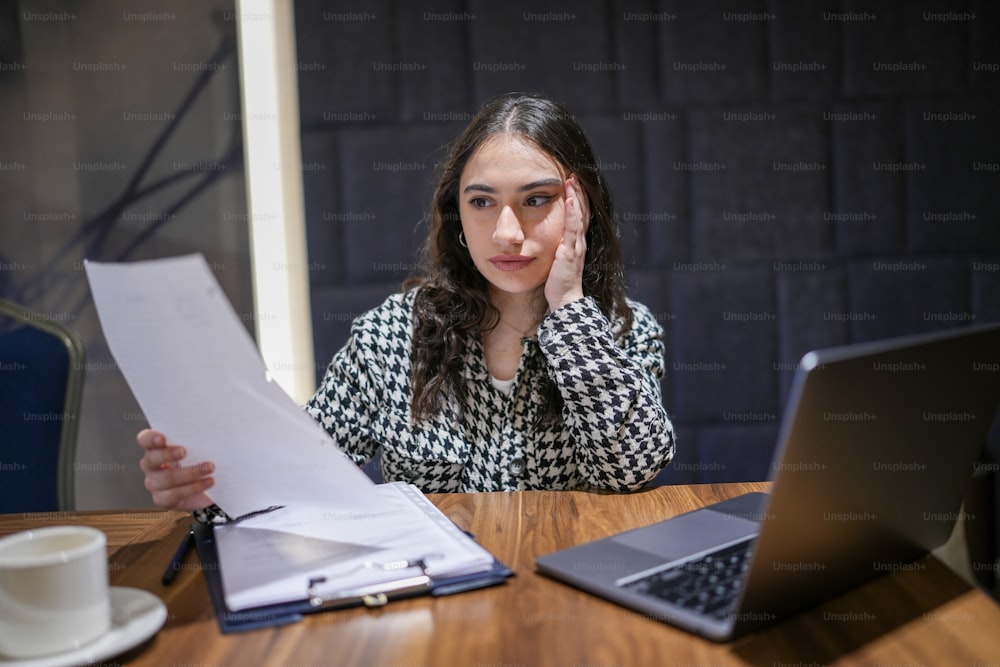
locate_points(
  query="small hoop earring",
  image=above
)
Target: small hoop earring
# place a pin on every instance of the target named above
(461, 239)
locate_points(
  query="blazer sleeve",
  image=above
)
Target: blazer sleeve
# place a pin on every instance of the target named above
(612, 403)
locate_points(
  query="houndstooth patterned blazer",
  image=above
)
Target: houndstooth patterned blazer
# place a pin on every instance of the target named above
(614, 435)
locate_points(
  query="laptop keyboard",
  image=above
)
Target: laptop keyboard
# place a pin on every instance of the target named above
(707, 585)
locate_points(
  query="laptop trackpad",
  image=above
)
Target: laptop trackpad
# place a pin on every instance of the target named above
(688, 534)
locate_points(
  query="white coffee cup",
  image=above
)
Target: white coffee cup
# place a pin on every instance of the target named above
(54, 594)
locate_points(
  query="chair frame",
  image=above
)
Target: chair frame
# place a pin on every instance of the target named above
(66, 475)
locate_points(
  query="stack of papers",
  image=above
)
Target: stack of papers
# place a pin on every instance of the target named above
(278, 556)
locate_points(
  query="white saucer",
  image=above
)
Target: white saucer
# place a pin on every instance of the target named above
(136, 615)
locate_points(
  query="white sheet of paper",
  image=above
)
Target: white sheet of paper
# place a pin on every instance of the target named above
(199, 379)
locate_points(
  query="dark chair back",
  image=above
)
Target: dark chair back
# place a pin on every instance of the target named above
(41, 387)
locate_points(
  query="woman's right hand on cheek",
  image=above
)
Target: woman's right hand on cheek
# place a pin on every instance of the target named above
(173, 485)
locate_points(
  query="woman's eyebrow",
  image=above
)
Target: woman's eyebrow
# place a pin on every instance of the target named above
(545, 182)
(481, 187)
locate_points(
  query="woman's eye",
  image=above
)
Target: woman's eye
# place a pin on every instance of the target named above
(537, 200)
(479, 202)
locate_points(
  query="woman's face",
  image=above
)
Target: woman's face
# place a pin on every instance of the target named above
(511, 201)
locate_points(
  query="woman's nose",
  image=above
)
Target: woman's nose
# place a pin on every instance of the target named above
(508, 228)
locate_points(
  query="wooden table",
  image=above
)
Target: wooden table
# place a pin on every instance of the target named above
(925, 616)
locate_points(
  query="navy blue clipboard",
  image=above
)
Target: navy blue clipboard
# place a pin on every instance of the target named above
(292, 612)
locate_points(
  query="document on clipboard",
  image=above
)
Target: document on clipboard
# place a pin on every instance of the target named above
(337, 557)
(313, 531)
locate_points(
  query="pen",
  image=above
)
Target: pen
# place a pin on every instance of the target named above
(175, 562)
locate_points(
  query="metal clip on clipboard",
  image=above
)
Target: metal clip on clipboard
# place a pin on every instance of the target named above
(374, 595)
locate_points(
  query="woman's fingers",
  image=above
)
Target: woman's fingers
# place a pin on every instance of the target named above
(177, 477)
(576, 219)
(171, 484)
(158, 459)
(573, 224)
(565, 280)
(150, 439)
(187, 497)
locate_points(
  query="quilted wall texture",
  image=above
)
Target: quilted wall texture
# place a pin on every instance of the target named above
(786, 175)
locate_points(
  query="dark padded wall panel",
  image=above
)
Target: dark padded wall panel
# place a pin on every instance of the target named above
(899, 34)
(800, 35)
(338, 77)
(894, 296)
(723, 346)
(664, 221)
(815, 313)
(867, 211)
(620, 156)
(758, 187)
(527, 45)
(704, 58)
(950, 195)
(437, 86)
(387, 173)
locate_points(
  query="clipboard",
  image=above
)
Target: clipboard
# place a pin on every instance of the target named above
(292, 612)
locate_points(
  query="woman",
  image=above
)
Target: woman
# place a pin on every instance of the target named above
(514, 360)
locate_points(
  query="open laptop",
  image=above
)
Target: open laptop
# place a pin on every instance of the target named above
(875, 453)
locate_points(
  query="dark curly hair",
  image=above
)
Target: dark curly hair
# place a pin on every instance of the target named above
(452, 301)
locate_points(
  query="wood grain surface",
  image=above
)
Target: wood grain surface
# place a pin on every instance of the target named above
(925, 615)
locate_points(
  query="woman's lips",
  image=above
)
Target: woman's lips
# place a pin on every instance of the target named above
(511, 262)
